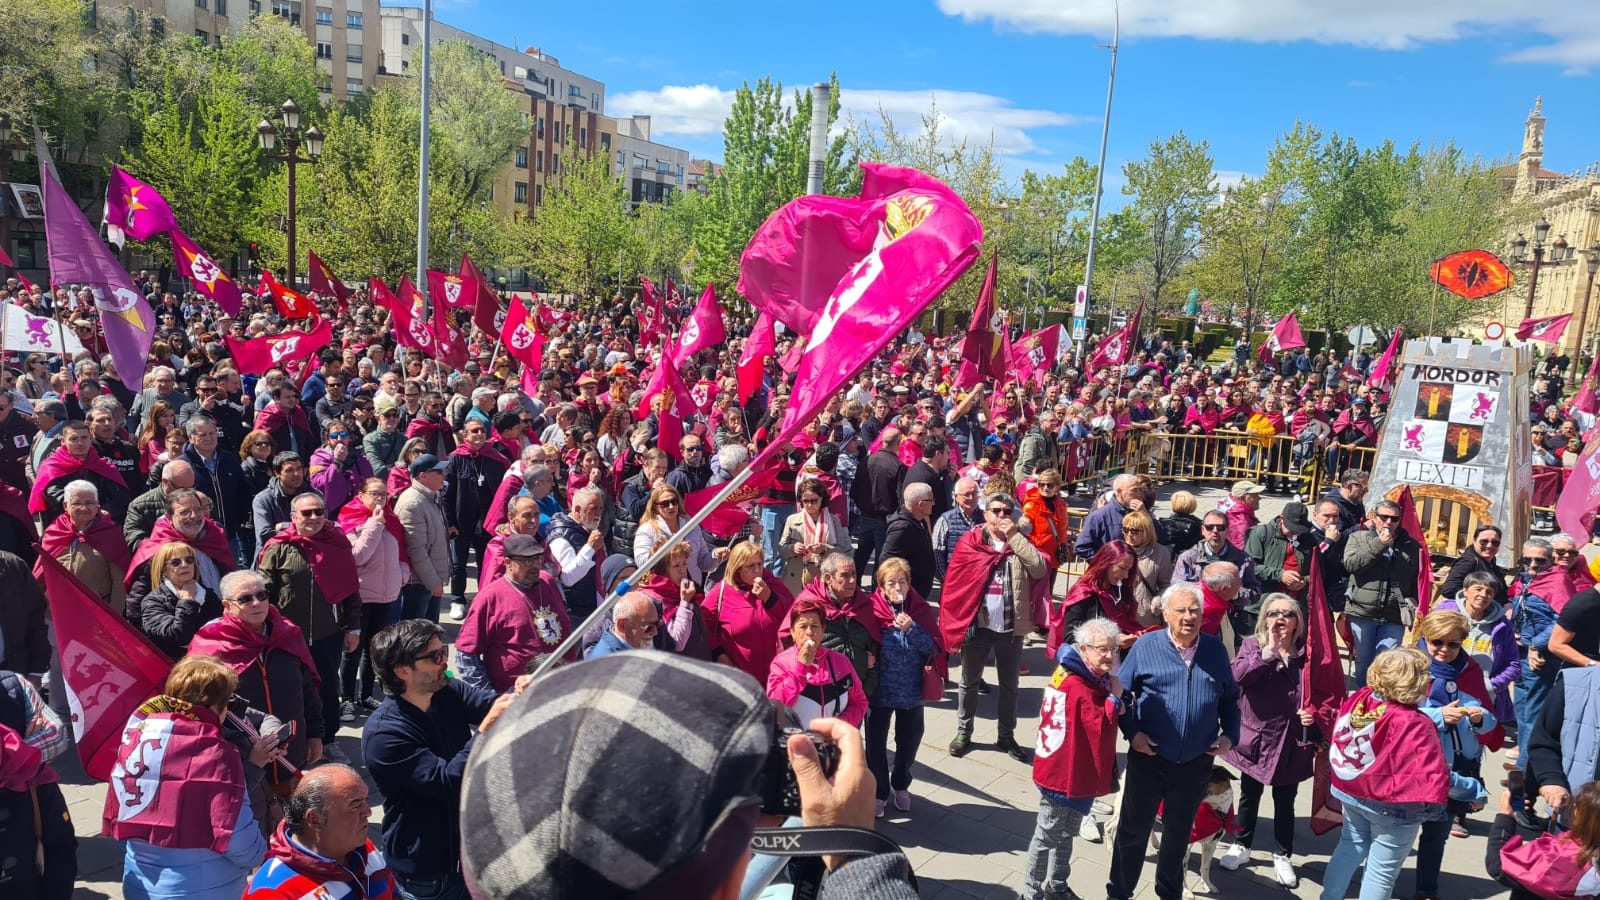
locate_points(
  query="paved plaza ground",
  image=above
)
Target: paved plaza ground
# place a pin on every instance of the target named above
(970, 821)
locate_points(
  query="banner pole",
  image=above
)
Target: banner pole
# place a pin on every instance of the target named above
(645, 566)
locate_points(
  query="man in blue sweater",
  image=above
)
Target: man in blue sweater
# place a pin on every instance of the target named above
(1184, 714)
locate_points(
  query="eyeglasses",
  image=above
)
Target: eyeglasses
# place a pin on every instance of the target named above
(374, 493)
(439, 657)
(181, 561)
(1492, 542)
(650, 627)
(1384, 518)
(257, 597)
(261, 444)
(1453, 645)
(693, 449)
(1133, 531)
(669, 503)
(810, 501)
(1535, 562)
(312, 513)
(1282, 614)
(338, 435)
(1213, 527)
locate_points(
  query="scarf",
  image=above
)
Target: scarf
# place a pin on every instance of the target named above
(1115, 603)
(353, 515)
(426, 428)
(357, 871)
(859, 608)
(21, 763)
(966, 580)
(233, 642)
(62, 464)
(14, 503)
(177, 782)
(487, 450)
(211, 541)
(1467, 678)
(273, 417)
(328, 554)
(102, 534)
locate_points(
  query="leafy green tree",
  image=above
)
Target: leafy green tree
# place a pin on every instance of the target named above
(1171, 190)
(584, 226)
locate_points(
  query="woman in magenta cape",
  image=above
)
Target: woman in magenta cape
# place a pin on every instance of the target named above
(744, 612)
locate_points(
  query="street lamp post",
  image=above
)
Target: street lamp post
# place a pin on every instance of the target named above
(1591, 264)
(293, 139)
(10, 151)
(1559, 252)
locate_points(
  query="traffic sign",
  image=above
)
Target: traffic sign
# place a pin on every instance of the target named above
(1080, 302)
(1494, 331)
(1080, 325)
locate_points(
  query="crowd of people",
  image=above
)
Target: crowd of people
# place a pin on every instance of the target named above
(293, 540)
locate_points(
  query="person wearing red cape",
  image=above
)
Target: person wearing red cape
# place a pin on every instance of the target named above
(186, 522)
(913, 656)
(89, 545)
(76, 458)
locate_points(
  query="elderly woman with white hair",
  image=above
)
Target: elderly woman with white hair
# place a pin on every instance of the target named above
(1075, 759)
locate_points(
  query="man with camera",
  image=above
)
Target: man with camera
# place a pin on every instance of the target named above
(582, 832)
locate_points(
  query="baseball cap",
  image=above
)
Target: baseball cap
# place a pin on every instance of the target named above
(692, 736)
(1240, 488)
(427, 462)
(1295, 517)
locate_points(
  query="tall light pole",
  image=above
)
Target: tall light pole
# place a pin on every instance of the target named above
(1559, 252)
(1591, 264)
(293, 140)
(421, 282)
(10, 151)
(1105, 134)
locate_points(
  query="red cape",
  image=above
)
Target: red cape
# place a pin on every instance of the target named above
(859, 608)
(971, 566)
(102, 534)
(62, 463)
(1117, 609)
(420, 427)
(488, 450)
(272, 418)
(198, 780)
(921, 613)
(212, 542)
(333, 565)
(231, 640)
(14, 503)
(355, 514)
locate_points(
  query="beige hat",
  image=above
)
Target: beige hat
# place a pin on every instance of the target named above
(384, 403)
(1240, 488)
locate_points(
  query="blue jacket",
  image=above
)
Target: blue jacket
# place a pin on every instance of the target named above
(1534, 619)
(417, 759)
(158, 873)
(609, 644)
(1182, 709)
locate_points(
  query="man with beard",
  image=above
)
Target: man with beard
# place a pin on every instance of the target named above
(310, 574)
(212, 403)
(579, 546)
(77, 458)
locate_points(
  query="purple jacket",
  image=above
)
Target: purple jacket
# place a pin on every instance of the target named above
(1270, 732)
(1492, 642)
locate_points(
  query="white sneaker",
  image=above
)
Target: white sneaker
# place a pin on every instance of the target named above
(1089, 830)
(1235, 856)
(1103, 808)
(1283, 867)
(458, 610)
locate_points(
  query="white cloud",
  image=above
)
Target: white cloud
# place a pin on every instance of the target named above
(676, 109)
(1572, 25)
(699, 110)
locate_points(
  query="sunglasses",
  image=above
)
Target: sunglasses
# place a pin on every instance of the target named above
(438, 656)
(1453, 645)
(262, 444)
(1488, 542)
(1000, 510)
(247, 599)
(1210, 527)
(181, 561)
(312, 513)
(1384, 518)
(1282, 614)
(651, 627)
(1535, 561)
(338, 435)
(666, 504)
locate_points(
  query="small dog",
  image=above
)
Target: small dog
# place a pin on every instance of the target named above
(1214, 822)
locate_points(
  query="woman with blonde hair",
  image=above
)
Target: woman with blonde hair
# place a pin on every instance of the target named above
(178, 604)
(1389, 773)
(152, 438)
(663, 515)
(911, 642)
(1153, 572)
(745, 610)
(1183, 526)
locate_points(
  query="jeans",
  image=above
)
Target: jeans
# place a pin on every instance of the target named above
(1250, 791)
(374, 618)
(1533, 686)
(326, 653)
(462, 546)
(1007, 649)
(1372, 637)
(1177, 789)
(908, 727)
(1050, 850)
(773, 515)
(436, 887)
(1377, 833)
(417, 602)
(870, 534)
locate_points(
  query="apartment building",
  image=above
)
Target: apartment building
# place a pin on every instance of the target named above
(347, 34)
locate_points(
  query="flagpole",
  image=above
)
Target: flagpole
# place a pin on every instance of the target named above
(644, 568)
(422, 156)
(1100, 172)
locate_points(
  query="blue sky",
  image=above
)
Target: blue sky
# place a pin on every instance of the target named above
(1236, 73)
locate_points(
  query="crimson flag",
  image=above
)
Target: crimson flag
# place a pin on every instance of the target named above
(652, 317)
(1285, 336)
(1385, 371)
(324, 282)
(1586, 401)
(450, 290)
(1546, 328)
(208, 278)
(382, 296)
(109, 668)
(731, 514)
(1117, 349)
(257, 355)
(761, 343)
(449, 343)
(291, 303)
(523, 336)
(410, 328)
(486, 311)
(5, 258)
(1413, 526)
(983, 346)
(1035, 354)
(1322, 689)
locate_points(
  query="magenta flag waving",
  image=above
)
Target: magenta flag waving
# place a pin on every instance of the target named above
(257, 355)
(1035, 354)
(983, 352)
(763, 341)
(1547, 328)
(1385, 370)
(703, 328)
(1117, 348)
(135, 208)
(208, 278)
(803, 261)
(1580, 497)
(1585, 401)
(885, 255)
(78, 256)
(1285, 336)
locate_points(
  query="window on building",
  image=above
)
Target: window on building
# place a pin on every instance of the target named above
(521, 192)
(540, 130)
(638, 161)
(519, 72)
(221, 7)
(583, 138)
(353, 21)
(324, 50)
(594, 101)
(574, 91)
(354, 86)
(405, 40)
(203, 35)
(325, 17)
(522, 157)
(281, 8)
(352, 53)
(663, 167)
(538, 160)
(555, 133)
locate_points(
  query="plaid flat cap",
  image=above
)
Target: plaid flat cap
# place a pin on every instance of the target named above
(633, 775)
